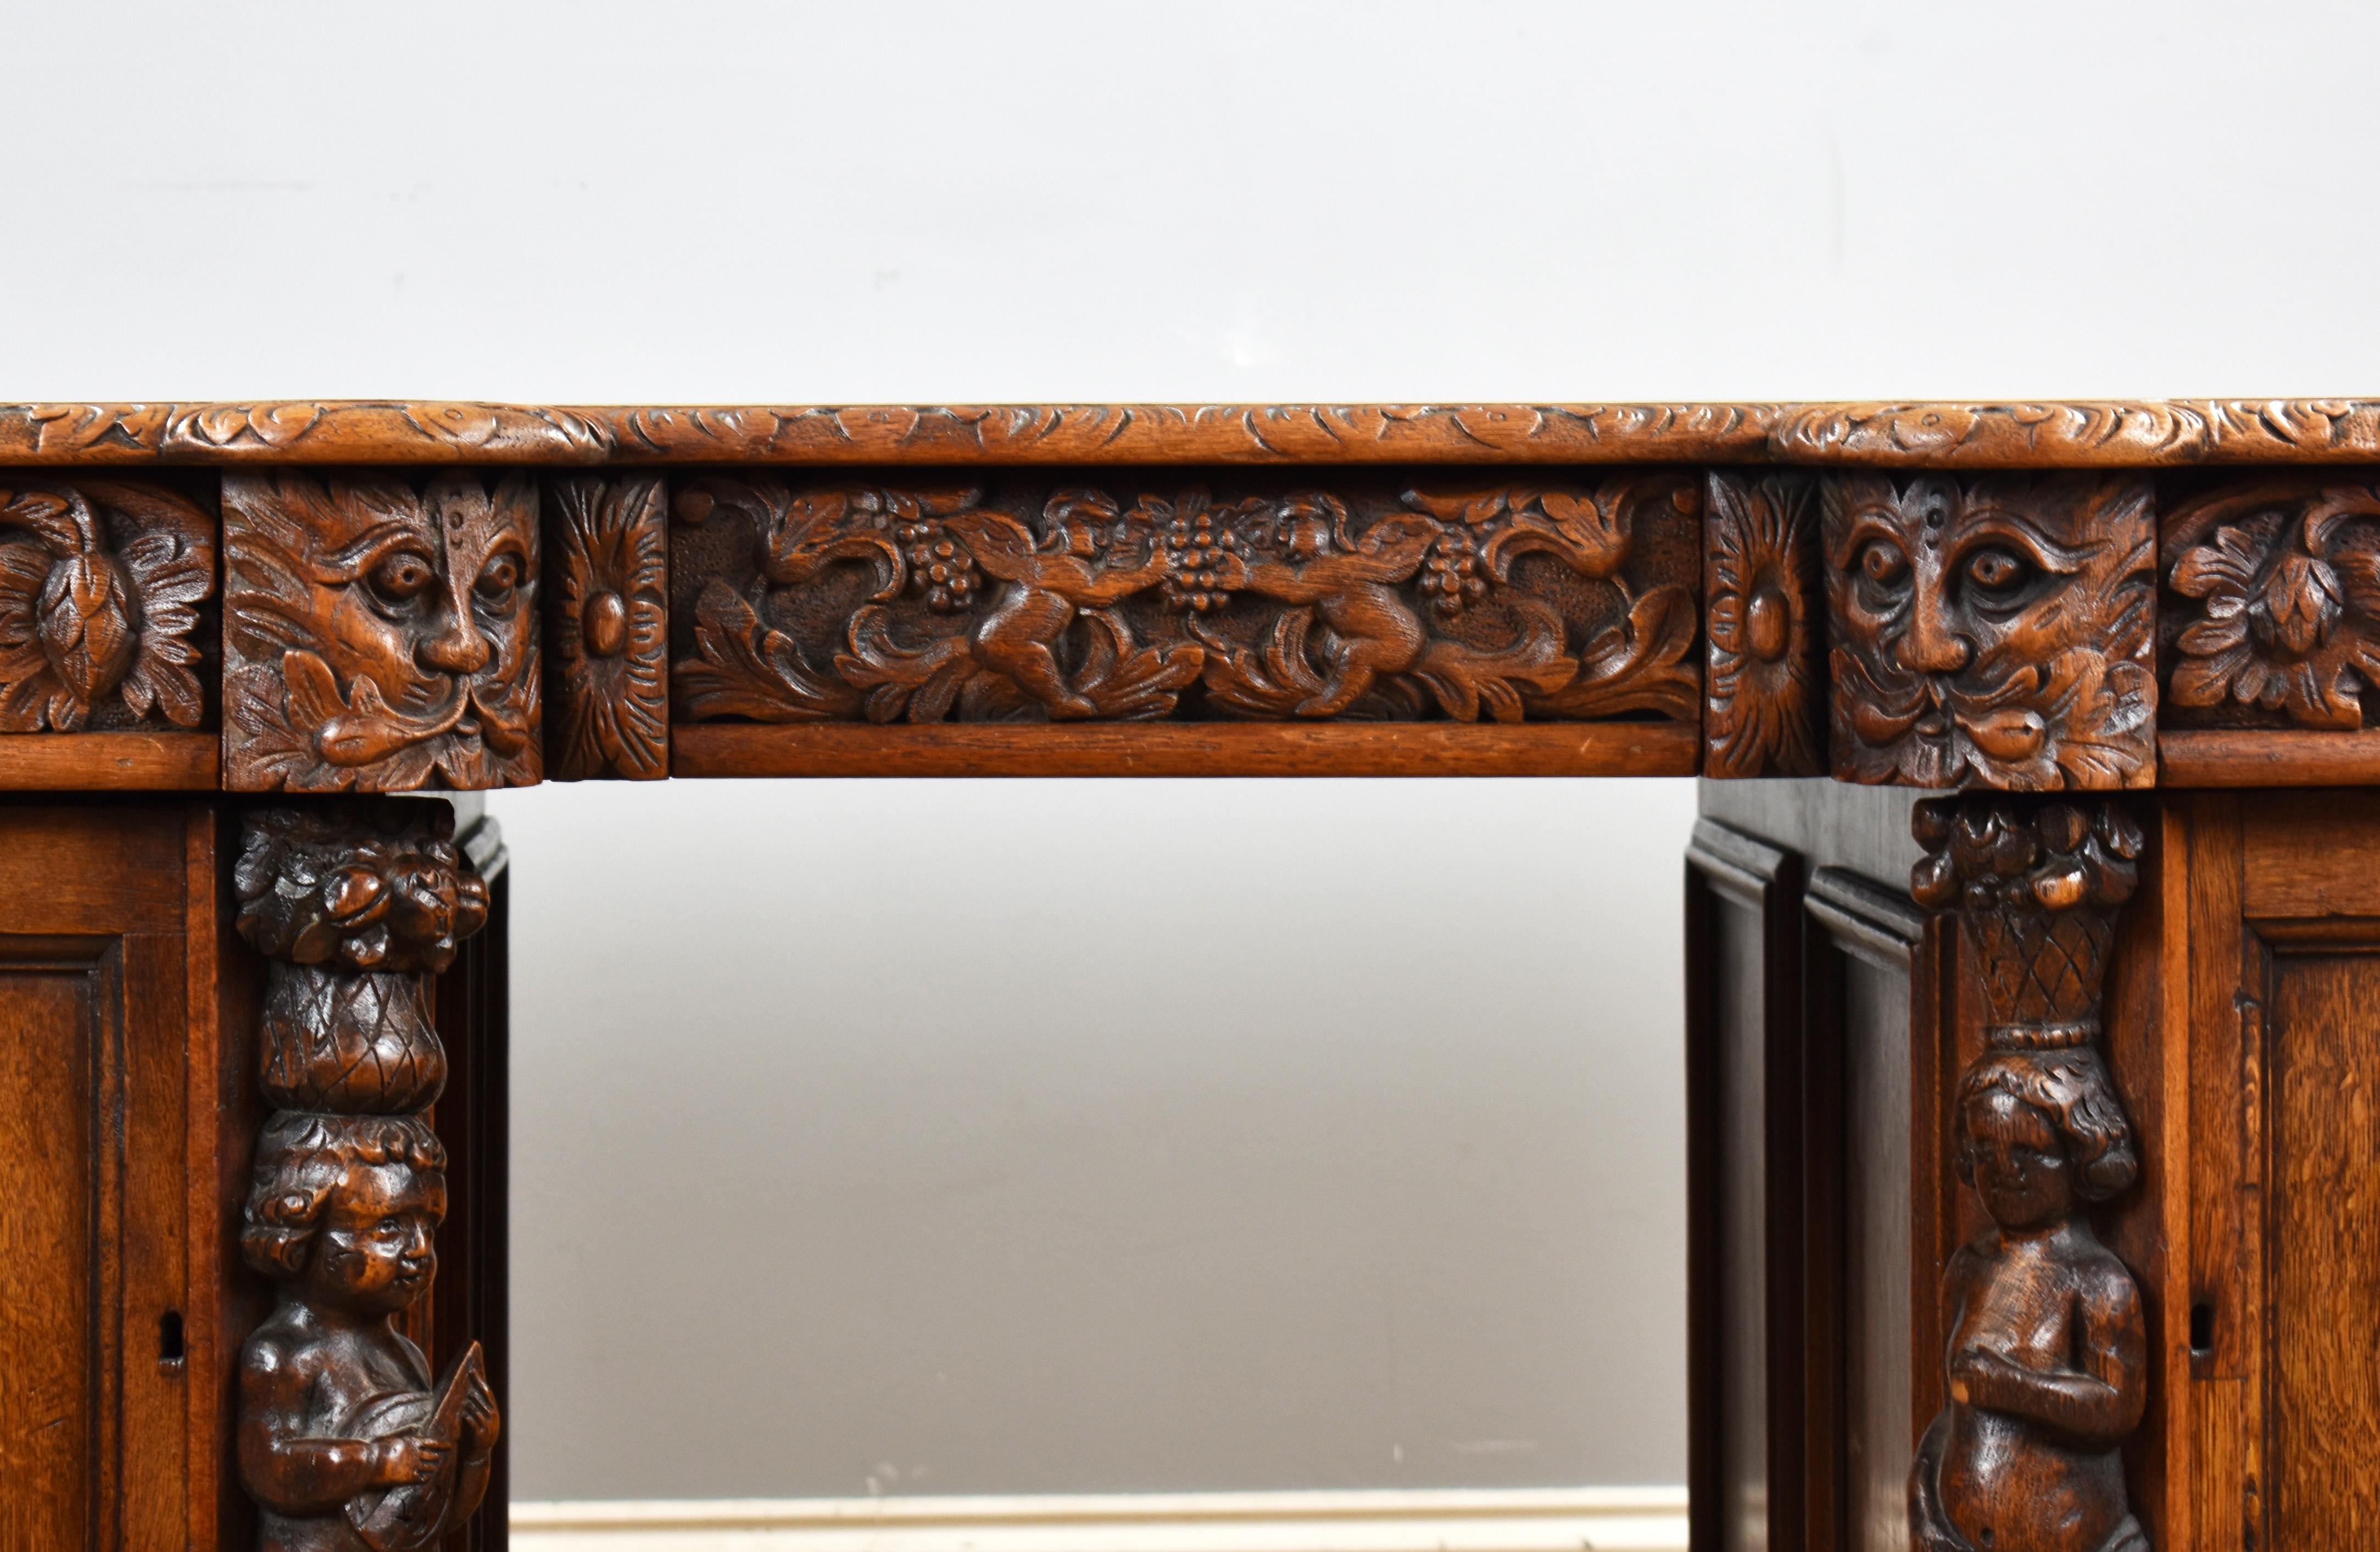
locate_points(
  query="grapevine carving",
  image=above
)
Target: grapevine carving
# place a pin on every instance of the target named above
(608, 620)
(100, 588)
(1764, 714)
(2047, 1364)
(862, 601)
(2274, 605)
(380, 634)
(1991, 633)
(344, 1441)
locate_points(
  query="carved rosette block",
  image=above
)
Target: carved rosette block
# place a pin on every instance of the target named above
(2047, 1364)
(1763, 710)
(607, 623)
(1992, 631)
(380, 634)
(2273, 604)
(344, 1441)
(101, 583)
(847, 601)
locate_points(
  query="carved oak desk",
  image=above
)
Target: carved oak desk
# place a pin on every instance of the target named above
(2033, 1125)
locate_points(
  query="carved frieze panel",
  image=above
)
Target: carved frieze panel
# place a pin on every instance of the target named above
(380, 634)
(1114, 596)
(2271, 614)
(607, 627)
(104, 588)
(1991, 632)
(345, 1439)
(1764, 619)
(2047, 1364)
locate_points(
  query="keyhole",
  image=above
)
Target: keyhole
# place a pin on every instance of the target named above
(2201, 1326)
(169, 1336)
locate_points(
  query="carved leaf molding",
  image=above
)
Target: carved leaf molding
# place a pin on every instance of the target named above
(2015, 435)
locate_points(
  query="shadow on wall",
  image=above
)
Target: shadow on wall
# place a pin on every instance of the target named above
(1064, 1137)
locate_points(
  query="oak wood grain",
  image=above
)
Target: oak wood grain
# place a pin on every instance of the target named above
(110, 763)
(2259, 757)
(2311, 854)
(89, 867)
(47, 1022)
(1593, 749)
(99, 1397)
(2324, 1219)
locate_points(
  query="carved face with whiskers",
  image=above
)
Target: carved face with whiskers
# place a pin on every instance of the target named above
(1991, 633)
(401, 624)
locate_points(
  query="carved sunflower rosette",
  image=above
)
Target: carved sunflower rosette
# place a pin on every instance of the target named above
(1763, 710)
(607, 624)
(2272, 604)
(101, 588)
(1373, 599)
(381, 633)
(1991, 632)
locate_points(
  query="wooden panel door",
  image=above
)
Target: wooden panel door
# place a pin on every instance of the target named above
(109, 1323)
(2284, 1323)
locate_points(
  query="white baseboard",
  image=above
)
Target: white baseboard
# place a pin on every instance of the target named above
(1525, 1520)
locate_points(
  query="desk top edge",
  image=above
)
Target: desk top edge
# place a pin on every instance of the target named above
(2140, 433)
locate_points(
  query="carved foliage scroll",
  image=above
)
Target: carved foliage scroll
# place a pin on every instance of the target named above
(607, 620)
(2047, 1364)
(100, 586)
(1763, 713)
(1993, 632)
(2114, 434)
(2041, 434)
(344, 1440)
(888, 603)
(2271, 615)
(380, 634)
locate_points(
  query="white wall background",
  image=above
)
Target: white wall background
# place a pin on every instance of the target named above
(1050, 1137)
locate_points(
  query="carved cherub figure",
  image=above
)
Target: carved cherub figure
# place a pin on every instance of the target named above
(343, 1442)
(1072, 571)
(2047, 1349)
(1351, 584)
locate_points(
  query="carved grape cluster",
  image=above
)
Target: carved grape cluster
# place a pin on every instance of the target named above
(942, 568)
(1451, 575)
(1196, 546)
